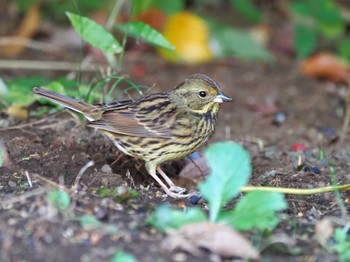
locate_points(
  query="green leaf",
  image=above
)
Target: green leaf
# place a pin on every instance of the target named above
(248, 10)
(342, 244)
(59, 199)
(343, 48)
(333, 31)
(95, 34)
(255, 210)
(227, 41)
(302, 8)
(164, 217)
(91, 222)
(122, 256)
(305, 39)
(146, 33)
(230, 170)
(20, 89)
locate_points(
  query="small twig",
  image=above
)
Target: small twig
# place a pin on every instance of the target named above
(297, 191)
(198, 167)
(48, 65)
(51, 183)
(80, 174)
(114, 14)
(128, 175)
(28, 178)
(29, 43)
(21, 126)
(21, 198)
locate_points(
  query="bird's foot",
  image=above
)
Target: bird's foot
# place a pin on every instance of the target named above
(177, 189)
(177, 195)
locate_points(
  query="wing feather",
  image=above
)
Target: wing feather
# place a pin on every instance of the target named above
(152, 116)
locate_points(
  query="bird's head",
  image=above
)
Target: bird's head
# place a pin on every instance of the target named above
(199, 94)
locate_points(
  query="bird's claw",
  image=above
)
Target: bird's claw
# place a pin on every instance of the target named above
(177, 189)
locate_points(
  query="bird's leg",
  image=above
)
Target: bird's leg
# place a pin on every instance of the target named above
(152, 171)
(172, 186)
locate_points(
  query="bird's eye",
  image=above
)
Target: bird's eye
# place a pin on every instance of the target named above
(202, 94)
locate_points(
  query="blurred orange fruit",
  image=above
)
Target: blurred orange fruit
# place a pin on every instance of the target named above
(189, 34)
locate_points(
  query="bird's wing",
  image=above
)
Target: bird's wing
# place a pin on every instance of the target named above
(148, 117)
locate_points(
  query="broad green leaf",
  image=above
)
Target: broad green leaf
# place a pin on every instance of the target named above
(248, 10)
(122, 256)
(165, 218)
(230, 170)
(341, 244)
(227, 41)
(332, 31)
(20, 90)
(255, 210)
(305, 39)
(146, 33)
(139, 6)
(95, 34)
(59, 199)
(302, 8)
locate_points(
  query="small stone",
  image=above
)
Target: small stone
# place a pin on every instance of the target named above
(106, 169)
(307, 169)
(12, 183)
(194, 199)
(100, 213)
(279, 119)
(179, 257)
(316, 170)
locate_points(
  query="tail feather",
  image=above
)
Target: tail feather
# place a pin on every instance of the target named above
(89, 111)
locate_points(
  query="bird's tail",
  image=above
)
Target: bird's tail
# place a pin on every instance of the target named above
(89, 111)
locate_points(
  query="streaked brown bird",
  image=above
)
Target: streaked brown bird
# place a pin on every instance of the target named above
(158, 127)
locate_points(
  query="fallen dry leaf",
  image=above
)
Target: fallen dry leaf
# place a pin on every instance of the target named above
(26, 30)
(325, 65)
(196, 169)
(17, 111)
(217, 238)
(323, 231)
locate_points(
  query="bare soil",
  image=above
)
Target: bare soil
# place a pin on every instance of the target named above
(53, 149)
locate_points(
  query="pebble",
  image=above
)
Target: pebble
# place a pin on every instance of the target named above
(279, 119)
(106, 169)
(194, 199)
(313, 169)
(12, 183)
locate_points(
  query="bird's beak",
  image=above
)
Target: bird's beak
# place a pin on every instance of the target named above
(221, 98)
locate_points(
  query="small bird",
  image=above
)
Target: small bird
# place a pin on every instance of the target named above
(156, 128)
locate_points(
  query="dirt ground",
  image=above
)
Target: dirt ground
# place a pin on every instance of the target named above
(53, 149)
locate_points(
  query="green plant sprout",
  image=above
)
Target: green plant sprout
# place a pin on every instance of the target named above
(102, 39)
(230, 170)
(341, 243)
